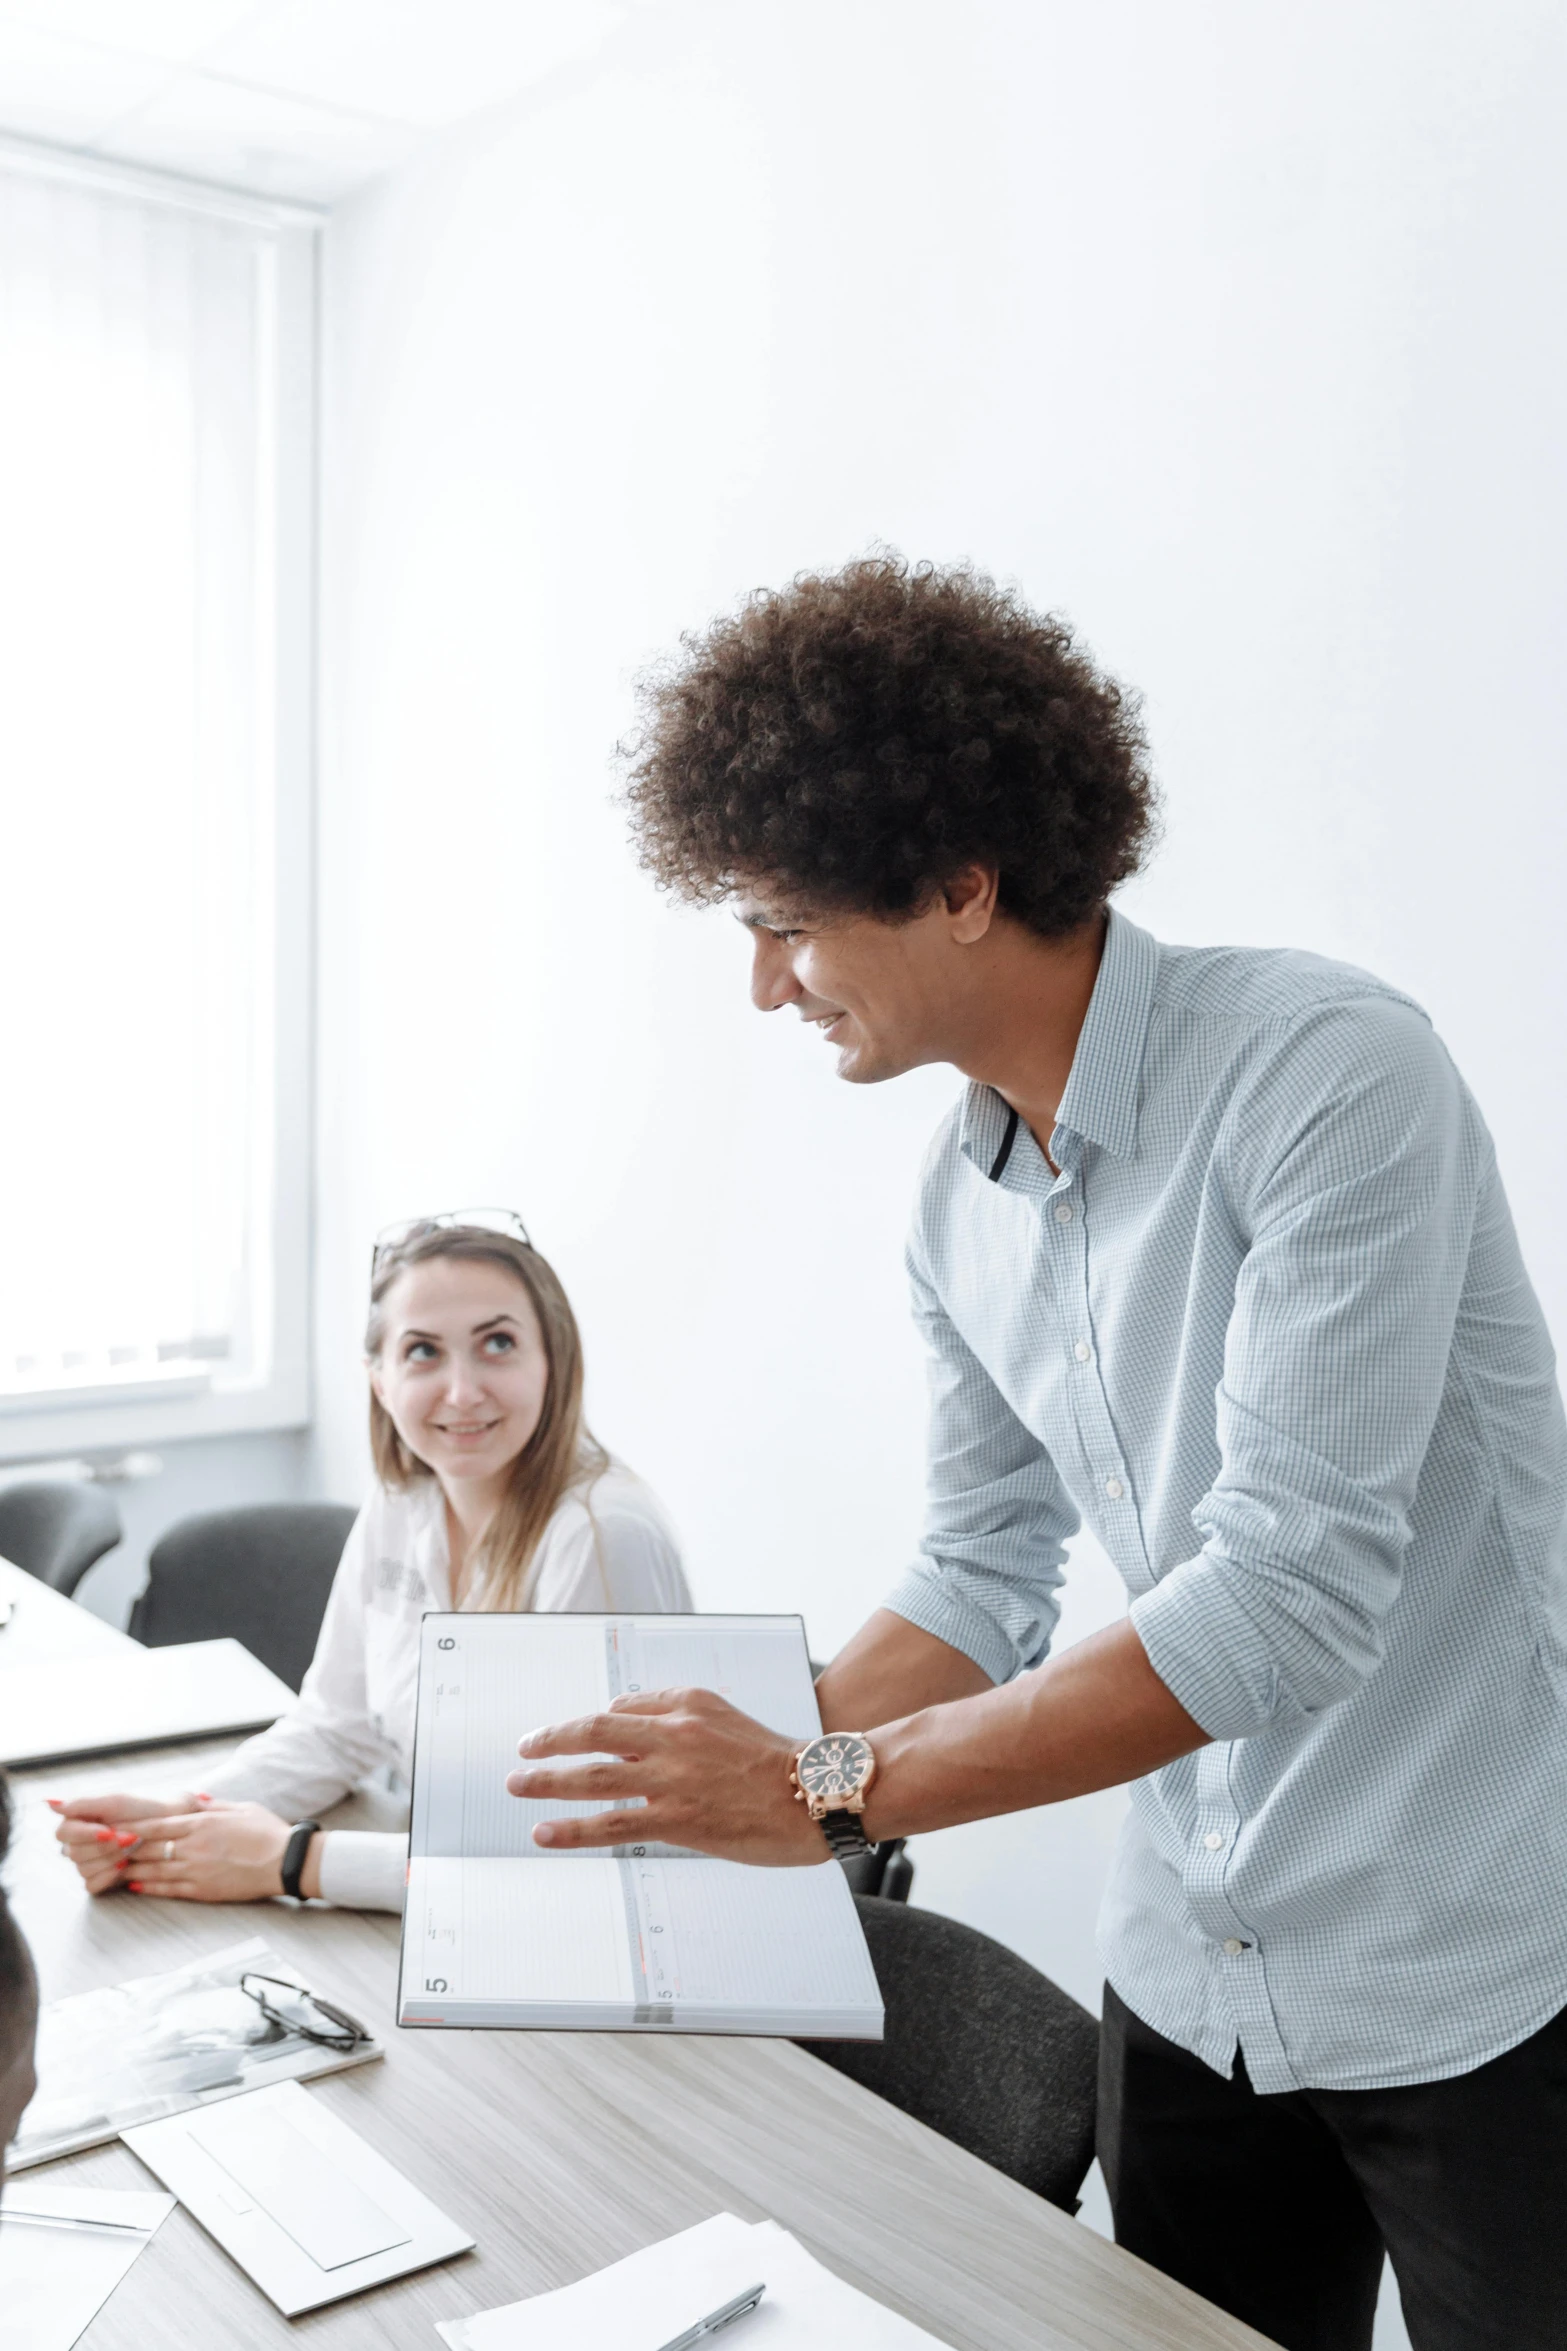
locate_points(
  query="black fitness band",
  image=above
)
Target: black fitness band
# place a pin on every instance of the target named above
(294, 1853)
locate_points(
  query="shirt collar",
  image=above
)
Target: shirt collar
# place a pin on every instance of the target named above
(1103, 1089)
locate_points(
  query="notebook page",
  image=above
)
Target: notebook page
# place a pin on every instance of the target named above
(758, 1663)
(722, 1934)
(694, 1945)
(490, 1933)
(485, 1680)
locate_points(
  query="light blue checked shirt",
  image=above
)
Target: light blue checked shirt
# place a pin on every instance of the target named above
(1269, 1335)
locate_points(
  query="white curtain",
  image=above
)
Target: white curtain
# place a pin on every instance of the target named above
(135, 764)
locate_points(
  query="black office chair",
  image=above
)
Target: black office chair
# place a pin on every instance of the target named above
(979, 2046)
(262, 1575)
(57, 1529)
(885, 1871)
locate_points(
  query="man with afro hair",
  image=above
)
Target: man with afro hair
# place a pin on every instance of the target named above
(1212, 1257)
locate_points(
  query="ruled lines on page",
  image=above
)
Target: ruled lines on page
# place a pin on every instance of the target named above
(723, 1941)
(479, 1691)
(486, 1680)
(758, 1663)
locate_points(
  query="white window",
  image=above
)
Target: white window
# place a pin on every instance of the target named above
(156, 415)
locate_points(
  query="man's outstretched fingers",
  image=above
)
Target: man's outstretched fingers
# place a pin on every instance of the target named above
(577, 1783)
(654, 1701)
(600, 1828)
(593, 1734)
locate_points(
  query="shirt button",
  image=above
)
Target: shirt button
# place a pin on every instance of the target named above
(1114, 1488)
(1213, 1840)
(1083, 1351)
(1063, 1212)
(1233, 1949)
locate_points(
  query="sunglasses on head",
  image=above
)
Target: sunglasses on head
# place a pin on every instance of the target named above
(391, 1237)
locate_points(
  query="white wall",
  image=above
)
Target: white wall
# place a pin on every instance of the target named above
(1235, 332)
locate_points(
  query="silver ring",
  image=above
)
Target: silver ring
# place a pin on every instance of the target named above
(168, 1848)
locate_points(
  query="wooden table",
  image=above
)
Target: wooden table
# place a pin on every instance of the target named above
(563, 2151)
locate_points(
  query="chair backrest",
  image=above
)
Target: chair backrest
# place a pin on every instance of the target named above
(57, 1529)
(262, 1575)
(883, 1869)
(979, 2046)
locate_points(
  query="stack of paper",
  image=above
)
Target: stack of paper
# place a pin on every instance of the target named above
(134, 2051)
(651, 2298)
(63, 2250)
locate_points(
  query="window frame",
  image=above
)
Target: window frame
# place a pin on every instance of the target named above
(51, 1421)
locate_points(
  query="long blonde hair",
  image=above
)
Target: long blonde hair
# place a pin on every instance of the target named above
(562, 1451)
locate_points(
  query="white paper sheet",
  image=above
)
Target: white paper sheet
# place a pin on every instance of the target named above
(645, 2301)
(55, 2280)
(302, 2202)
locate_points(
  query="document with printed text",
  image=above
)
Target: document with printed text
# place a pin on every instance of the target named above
(501, 1932)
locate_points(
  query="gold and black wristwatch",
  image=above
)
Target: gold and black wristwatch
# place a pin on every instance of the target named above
(831, 1777)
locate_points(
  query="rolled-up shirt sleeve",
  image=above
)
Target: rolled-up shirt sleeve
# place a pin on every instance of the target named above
(997, 1517)
(1353, 1163)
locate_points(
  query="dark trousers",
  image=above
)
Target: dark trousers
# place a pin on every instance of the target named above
(1280, 2208)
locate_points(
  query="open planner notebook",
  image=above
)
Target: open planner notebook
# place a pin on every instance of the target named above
(499, 1931)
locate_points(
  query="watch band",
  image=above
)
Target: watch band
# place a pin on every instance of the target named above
(844, 1834)
(294, 1853)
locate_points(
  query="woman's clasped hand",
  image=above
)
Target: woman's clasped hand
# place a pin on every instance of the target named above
(192, 1847)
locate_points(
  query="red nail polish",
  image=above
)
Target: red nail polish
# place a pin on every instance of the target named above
(134, 1884)
(55, 1803)
(124, 1837)
(104, 1836)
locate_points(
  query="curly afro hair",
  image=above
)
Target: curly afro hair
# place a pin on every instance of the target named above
(852, 741)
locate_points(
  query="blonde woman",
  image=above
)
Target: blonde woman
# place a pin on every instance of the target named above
(490, 1493)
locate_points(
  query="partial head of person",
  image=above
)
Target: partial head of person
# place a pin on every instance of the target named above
(906, 783)
(476, 1380)
(18, 2005)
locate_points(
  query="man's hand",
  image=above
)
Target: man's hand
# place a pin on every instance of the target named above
(709, 1777)
(714, 1779)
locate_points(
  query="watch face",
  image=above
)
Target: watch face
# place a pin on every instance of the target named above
(834, 1768)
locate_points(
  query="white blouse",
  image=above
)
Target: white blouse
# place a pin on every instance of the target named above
(608, 1546)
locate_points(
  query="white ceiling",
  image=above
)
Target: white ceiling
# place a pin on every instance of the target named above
(298, 98)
